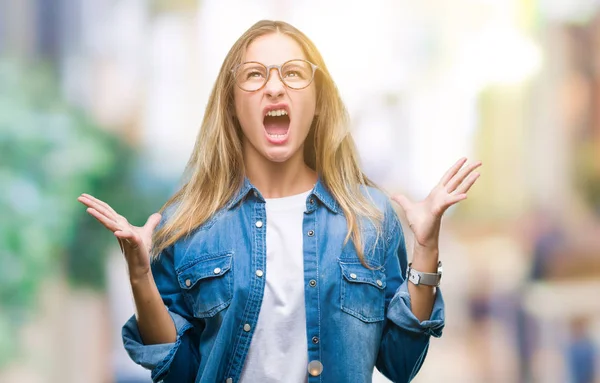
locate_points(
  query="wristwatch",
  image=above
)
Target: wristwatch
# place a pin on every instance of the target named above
(428, 279)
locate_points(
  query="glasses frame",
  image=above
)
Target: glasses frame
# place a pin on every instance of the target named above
(269, 68)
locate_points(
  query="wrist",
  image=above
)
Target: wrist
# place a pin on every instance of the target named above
(139, 278)
(427, 278)
(426, 251)
(425, 259)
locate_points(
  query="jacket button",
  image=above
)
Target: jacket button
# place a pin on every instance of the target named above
(247, 327)
(315, 368)
(259, 224)
(229, 380)
(217, 270)
(188, 283)
(312, 283)
(311, 233)
(353, 276)
(315, 340)
(312, 201)
(379, 283)
(259, 273)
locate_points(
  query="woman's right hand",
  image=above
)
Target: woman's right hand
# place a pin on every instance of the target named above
(135, 242)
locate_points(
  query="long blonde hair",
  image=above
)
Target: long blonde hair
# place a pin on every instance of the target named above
(215, 170)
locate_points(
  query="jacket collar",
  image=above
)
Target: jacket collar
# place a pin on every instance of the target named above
(320, 191)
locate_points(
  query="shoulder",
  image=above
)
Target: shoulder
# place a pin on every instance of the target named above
(379, 198)
(391, 226)
(166, 213)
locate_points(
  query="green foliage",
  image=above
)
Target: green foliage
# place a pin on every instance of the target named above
(50, 153)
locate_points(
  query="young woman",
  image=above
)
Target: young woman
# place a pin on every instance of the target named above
(278, 260)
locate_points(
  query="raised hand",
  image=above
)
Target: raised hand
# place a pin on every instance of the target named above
(424, 217)
(135, 242)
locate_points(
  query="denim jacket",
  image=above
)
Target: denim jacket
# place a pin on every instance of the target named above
(356, 318)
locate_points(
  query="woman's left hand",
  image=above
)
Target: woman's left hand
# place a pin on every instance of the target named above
(424, 217)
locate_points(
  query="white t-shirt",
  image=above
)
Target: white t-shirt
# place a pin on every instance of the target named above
(279, 351)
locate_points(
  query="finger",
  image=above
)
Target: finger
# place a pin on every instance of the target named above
(107, 222)
(105, 209)
(458, 178)
(100, 202)
(455, 199)
(152, 221)
(452, 171)
(466, 185)
(98, 207)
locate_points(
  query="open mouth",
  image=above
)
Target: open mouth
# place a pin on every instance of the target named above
(277, 124)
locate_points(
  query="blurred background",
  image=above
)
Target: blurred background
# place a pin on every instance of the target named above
(106, 97)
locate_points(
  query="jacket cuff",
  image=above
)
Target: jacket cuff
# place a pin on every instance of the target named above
(399, 312)
(154, 357)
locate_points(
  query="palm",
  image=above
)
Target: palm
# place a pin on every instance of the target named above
(135, 241)
(143, 233)
(424, 217)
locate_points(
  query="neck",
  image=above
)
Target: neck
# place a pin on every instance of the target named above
(279, 179)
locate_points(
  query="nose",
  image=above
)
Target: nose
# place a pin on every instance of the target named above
(274, 86)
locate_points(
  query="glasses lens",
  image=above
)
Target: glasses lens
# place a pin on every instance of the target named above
(250, 76)
(297, 74)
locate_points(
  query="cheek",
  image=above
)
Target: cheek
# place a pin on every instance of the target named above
(312, 102)
(308, 108)
(244, 111)
(239, 104)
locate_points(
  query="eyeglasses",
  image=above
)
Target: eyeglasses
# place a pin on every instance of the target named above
(295, 74)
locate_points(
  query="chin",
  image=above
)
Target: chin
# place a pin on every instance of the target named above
(277, 157)
(278, 154)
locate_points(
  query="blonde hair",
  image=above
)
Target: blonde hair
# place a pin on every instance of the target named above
(215, 170)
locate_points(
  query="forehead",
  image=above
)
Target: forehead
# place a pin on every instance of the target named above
(274, 49)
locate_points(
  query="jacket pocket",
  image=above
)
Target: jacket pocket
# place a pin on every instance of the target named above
(207, 283)
(362, 292)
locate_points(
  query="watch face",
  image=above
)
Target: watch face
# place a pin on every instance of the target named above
(414, 277)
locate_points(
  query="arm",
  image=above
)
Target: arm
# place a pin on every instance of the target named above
(422, 296)
(425, 219)
(153, 319)
(417, 312)
(175, 357)
(405, 339)
(161, 337)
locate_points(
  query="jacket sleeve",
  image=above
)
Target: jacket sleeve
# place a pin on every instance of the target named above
(169, 362)
(405, 339)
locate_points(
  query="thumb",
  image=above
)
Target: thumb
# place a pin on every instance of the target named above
(153, 221)
(402, 200)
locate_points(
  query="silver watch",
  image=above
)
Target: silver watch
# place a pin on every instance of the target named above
(421, 278)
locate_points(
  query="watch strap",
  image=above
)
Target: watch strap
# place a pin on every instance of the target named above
(421, 278)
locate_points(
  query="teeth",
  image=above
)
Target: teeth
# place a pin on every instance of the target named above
(277, 135)
(276, 113)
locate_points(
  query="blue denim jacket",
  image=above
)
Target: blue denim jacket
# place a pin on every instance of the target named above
(356, 318)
